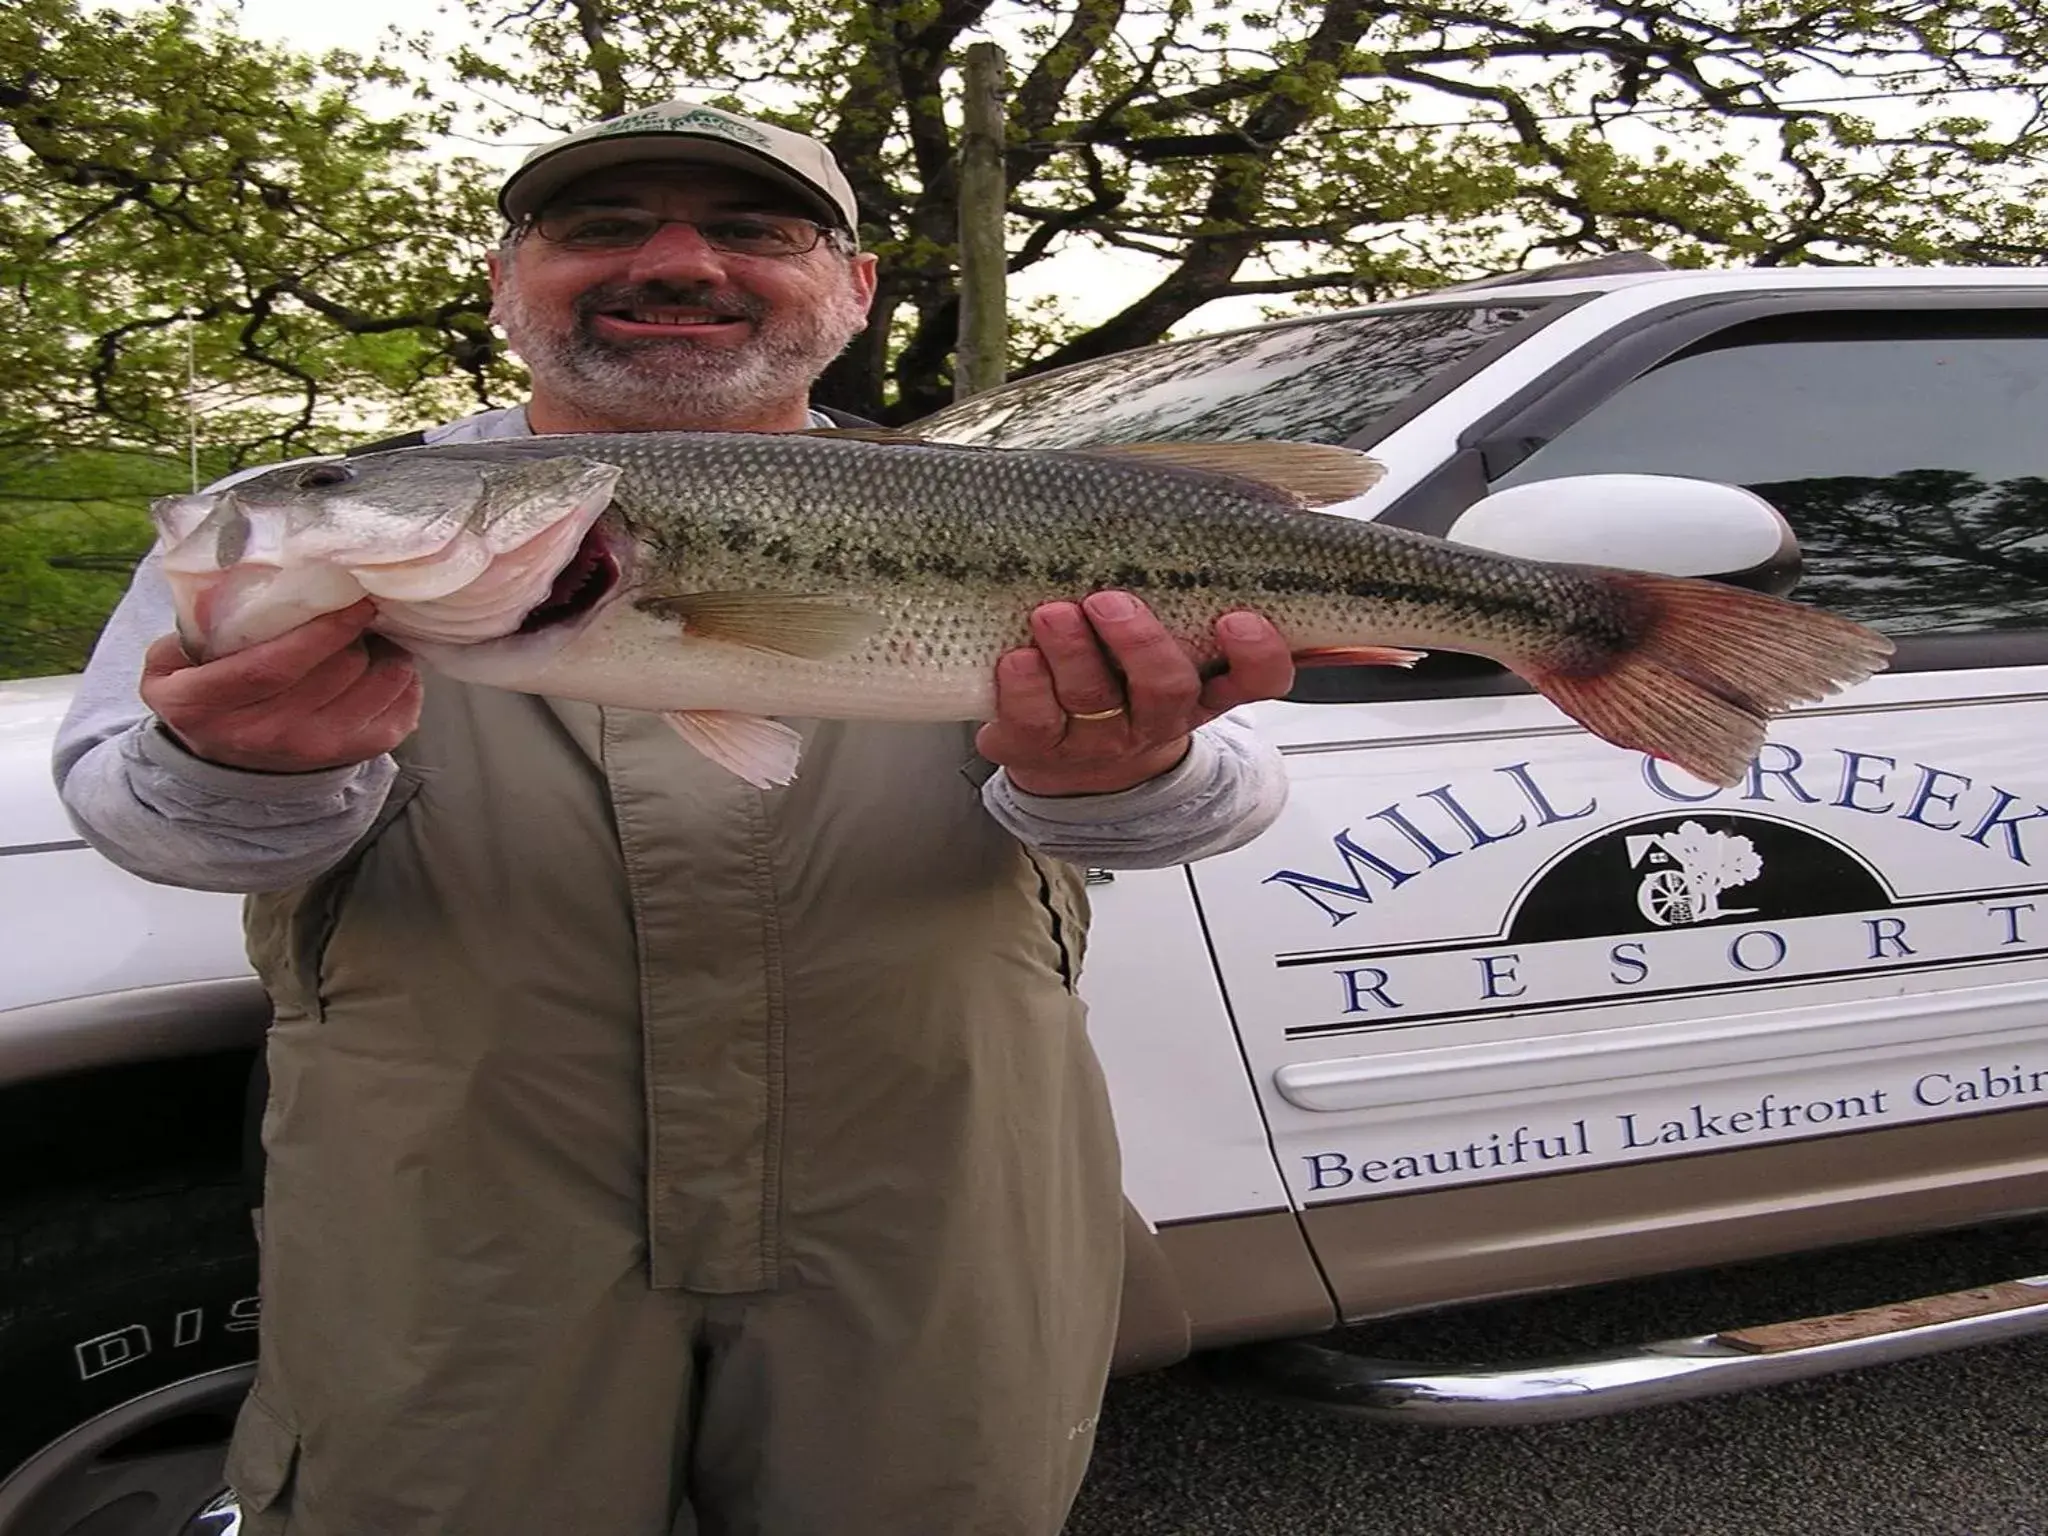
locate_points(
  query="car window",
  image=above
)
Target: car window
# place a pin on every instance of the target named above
(1323, 381)
(1912, 464)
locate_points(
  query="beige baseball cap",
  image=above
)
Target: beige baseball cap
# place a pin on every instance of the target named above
(693, 133)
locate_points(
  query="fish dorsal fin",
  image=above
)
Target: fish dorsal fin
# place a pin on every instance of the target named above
(810, 626)
(874, 435)
(1315, 474)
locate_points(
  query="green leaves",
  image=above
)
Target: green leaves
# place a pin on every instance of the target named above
(172, 187)
(72, 526)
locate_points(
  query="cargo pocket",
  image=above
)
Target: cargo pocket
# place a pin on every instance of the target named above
(263, 1457)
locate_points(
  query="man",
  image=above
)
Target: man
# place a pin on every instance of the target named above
(648, 1153)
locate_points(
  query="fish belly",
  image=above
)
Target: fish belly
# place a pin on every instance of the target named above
(627, 660)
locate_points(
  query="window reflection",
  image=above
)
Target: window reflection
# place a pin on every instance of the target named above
(1912, 468)
(1924, 551)
(1322, 381)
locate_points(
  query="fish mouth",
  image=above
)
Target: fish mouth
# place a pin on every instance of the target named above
(580, 587)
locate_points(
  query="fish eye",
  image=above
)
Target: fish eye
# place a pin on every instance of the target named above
(321, 476)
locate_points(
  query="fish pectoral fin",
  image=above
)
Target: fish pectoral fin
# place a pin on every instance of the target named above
(1315, 474)
(764, 752)
(1357, 656)
(809, 626)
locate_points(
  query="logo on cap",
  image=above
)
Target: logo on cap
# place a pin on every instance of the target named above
(699, 120)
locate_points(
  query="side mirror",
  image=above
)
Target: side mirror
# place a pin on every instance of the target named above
(1661, 523)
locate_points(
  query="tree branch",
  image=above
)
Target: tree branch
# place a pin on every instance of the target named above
(594, 23)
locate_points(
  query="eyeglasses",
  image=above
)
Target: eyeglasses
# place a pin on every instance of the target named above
(625, 229)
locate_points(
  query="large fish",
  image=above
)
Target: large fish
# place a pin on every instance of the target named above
(727, 578)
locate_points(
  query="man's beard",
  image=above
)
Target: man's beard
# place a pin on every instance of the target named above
(669, 382)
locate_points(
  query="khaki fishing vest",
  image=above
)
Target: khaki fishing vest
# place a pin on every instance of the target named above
(565, 920)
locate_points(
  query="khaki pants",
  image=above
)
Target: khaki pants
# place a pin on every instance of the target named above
(771, 1416)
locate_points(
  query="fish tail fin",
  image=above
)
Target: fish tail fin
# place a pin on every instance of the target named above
(1711, 664)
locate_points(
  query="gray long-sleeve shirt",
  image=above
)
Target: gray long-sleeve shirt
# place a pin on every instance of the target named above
(158, 811)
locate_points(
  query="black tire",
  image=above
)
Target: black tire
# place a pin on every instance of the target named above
(120, 1297)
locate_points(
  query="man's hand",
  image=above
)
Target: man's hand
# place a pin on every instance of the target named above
(1105, 698)
(324, 695)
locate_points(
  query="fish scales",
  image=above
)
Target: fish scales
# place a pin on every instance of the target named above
(983, 536)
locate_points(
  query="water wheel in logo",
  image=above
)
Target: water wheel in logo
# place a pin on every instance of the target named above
(1666, 898)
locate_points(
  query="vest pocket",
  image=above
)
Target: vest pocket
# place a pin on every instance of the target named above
(263, 1457)
(288, 932)
(1061, 892)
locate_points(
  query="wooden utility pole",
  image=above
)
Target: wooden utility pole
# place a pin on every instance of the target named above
(982, 355)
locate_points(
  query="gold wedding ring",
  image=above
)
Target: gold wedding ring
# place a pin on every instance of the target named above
(1095, 714)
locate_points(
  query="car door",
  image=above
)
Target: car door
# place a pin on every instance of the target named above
(1501, 985)
(1195, 1144)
